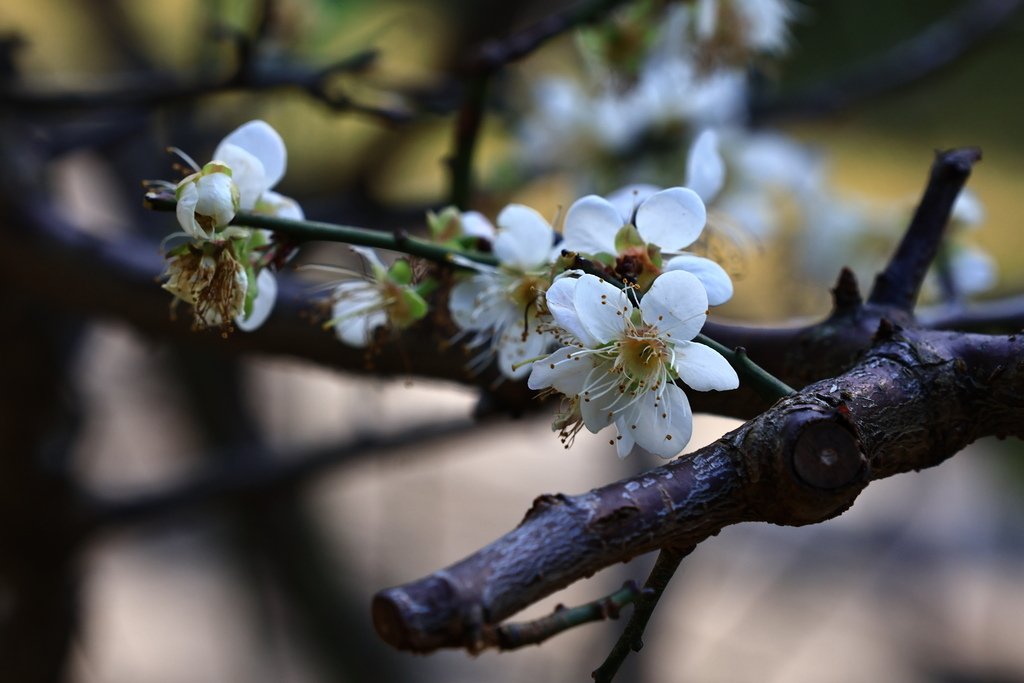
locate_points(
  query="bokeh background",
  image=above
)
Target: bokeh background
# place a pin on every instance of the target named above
(920, 581)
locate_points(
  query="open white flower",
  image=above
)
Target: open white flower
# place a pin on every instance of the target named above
(257, 157)
(503, 305)
(619, 364)
(384, 298)
(670, 220)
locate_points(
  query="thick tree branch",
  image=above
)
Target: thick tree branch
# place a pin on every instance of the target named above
(915, 400)
(898, 285)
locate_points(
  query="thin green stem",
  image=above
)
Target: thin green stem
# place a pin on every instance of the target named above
(304, 231)
(632, 636)
(763, 382)
(513, 636)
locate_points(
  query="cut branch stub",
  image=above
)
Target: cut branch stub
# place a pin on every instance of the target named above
(825, 455)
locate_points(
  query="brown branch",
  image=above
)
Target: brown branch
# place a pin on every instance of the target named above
(915, 400)
(252, 473)
(156, 90)
(899, 284)
(998, 315)
(937, 47)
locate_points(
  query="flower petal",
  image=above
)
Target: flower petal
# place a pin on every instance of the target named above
(663, 426)
(563, 309)
(248, 173)
(561, 370)
(602, 308)
(624, 443)
(676, 304)
(672, 218)
(514, 351)
(714, 278)
(280, 206)
(474, 224)
(626, 199)
(468, 304)
(216, 198)
(262, 305)
(525, 238)
(188, 197)
(705, 169)
(591, 225)
(703, 368)
(380, 271)
(260, 140)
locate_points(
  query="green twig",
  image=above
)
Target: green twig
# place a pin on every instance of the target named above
(632, 636)
(513, 636)
(764, 383)
(329, 232)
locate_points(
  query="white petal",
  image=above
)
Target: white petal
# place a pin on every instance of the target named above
(474, 224)
(591, 225)
(280, 206)
(525, 238)
(676, 304)
(705, 169)
(594, 411)
(470, 304)
(662, 427)
(260, 140)
(714, 278)
(368, 255)
(188, 197)
(513, 351)
(602, 308)
(973, 270)
(262, 305)
(703, 368)
(626, 199)
(215, 198)
(672, 218)
(248, 173)
(562, 370)
(624, 443)
(968, 210)
(359, 331)
(563, 309)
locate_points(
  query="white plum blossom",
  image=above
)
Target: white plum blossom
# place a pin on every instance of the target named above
(503, 305)
(620, 363)
(385, 298)
(669, 220)
(257, 157)
(207, 201)
(246, 165)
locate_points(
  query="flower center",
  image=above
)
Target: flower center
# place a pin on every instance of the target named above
(643, 357)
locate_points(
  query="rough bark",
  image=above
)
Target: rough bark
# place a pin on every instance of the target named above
(915, 400)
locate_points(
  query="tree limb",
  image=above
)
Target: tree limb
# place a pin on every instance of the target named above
(917, 398)
(898, 285)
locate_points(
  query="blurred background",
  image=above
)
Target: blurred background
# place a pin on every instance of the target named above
(197, 577)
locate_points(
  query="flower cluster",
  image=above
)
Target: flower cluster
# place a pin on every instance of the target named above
(224, 271)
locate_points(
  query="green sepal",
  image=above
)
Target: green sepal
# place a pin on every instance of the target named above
(400, 272)
(415, 305)
(427, 287)
(654, 253)
(604, 259)
(251, 291)
(444, 226)
(628, 236)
